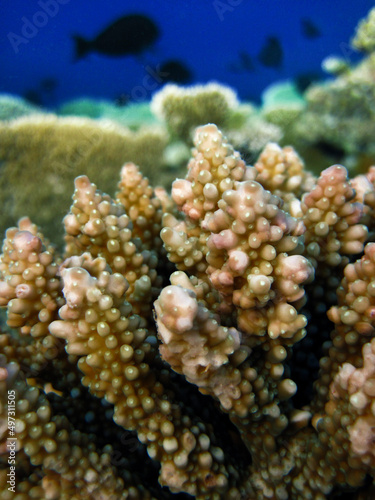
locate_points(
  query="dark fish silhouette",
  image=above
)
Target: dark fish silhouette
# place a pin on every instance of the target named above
(122, 100)
(330, 149)
(175, 71)
(271, 54)
(244, 63)
(33, 96)
(130, 34)
(44, 91)
(309, 29)
(304, 80)
(49, 84)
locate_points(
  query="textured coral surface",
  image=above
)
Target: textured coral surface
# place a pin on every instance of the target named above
(215, 343)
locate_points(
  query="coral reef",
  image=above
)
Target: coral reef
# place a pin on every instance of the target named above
(12, 106)
(331, 122)
(157, 355)
(98, 137)
(183, 109)
(364, 38)
(132, 116)
(336, 123)
(341, 112)
(57, 149)
(282, 103)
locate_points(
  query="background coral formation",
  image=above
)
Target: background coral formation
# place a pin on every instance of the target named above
(57, 150)
(331, 122)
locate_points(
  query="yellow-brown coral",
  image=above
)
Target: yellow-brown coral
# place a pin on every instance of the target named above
(204, 379)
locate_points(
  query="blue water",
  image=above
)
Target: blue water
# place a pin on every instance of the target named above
(205, 35)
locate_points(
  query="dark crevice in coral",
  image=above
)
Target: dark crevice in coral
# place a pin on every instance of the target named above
(94, 417)
(204, 408)
(365, 492)
(304, 361)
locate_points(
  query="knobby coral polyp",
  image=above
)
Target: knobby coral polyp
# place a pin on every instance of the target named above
(181, 321)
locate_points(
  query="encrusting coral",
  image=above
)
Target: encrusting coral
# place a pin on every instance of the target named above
(330, 120)
(339, 114)
(364, 38)
(184, 108)
(58, 149)
(179, 317)
(12, 106)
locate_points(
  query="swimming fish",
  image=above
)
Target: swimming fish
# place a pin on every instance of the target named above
(33, 96)
(330, 149)
(45, 90)
(131, 34)
(246, 61)
(304, 80)
(122, 100)
(309, 29)
(243, 63)
(175, 71)
(271, 54)
(49, 84)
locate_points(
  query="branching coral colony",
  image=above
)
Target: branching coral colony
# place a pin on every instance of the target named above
(196, 322)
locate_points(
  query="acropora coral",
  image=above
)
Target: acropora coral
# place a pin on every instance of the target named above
(163, 353)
